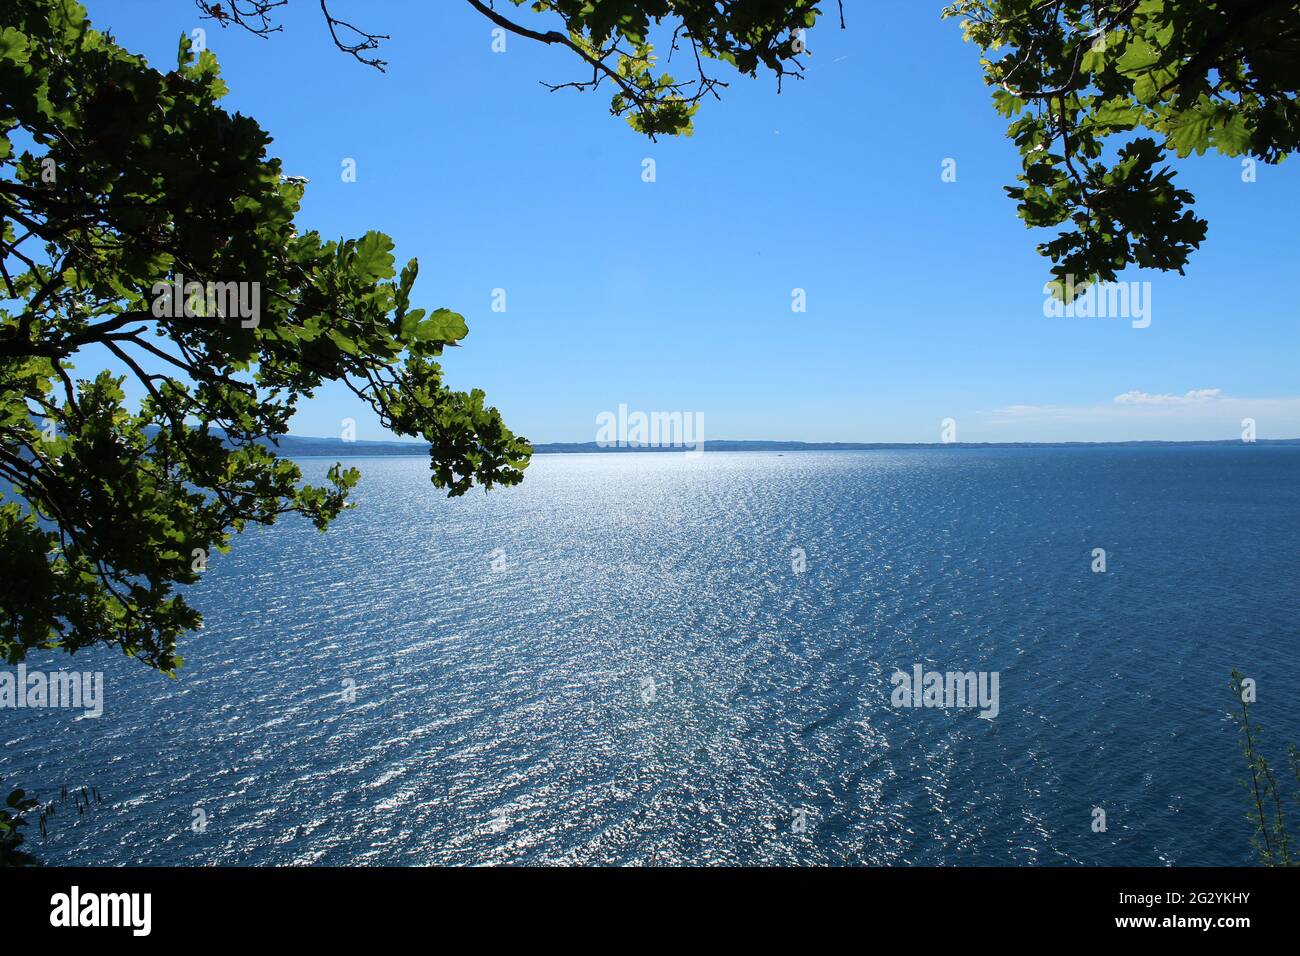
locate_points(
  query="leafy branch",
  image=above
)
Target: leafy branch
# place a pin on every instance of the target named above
(1267, 815)
(1078, 79)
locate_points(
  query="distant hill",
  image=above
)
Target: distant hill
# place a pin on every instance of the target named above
(561, 448)
(300, 446)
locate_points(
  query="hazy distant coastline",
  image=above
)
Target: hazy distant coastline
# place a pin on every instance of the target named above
(297, 446)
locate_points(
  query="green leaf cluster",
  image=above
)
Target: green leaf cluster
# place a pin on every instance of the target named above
(1081, 82)
(613, 36)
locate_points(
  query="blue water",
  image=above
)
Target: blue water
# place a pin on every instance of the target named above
(647, 679)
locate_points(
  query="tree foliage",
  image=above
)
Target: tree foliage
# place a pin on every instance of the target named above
(613, 39)
(1082, 82)
(13, 818)
(115, 180)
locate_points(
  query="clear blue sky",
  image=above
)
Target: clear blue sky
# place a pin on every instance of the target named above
(924, 298)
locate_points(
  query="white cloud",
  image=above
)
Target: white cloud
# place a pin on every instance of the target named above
(1202, 413)
(1189, 398)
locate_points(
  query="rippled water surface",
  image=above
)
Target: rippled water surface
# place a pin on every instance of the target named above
(643, 677)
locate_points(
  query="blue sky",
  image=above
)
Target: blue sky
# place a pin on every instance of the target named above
(924, 298)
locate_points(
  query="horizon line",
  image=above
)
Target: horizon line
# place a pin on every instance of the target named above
(769, 444)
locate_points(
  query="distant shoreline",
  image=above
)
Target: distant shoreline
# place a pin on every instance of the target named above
(295, 446)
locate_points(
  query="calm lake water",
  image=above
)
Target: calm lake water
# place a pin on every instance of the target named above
(620, 662)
